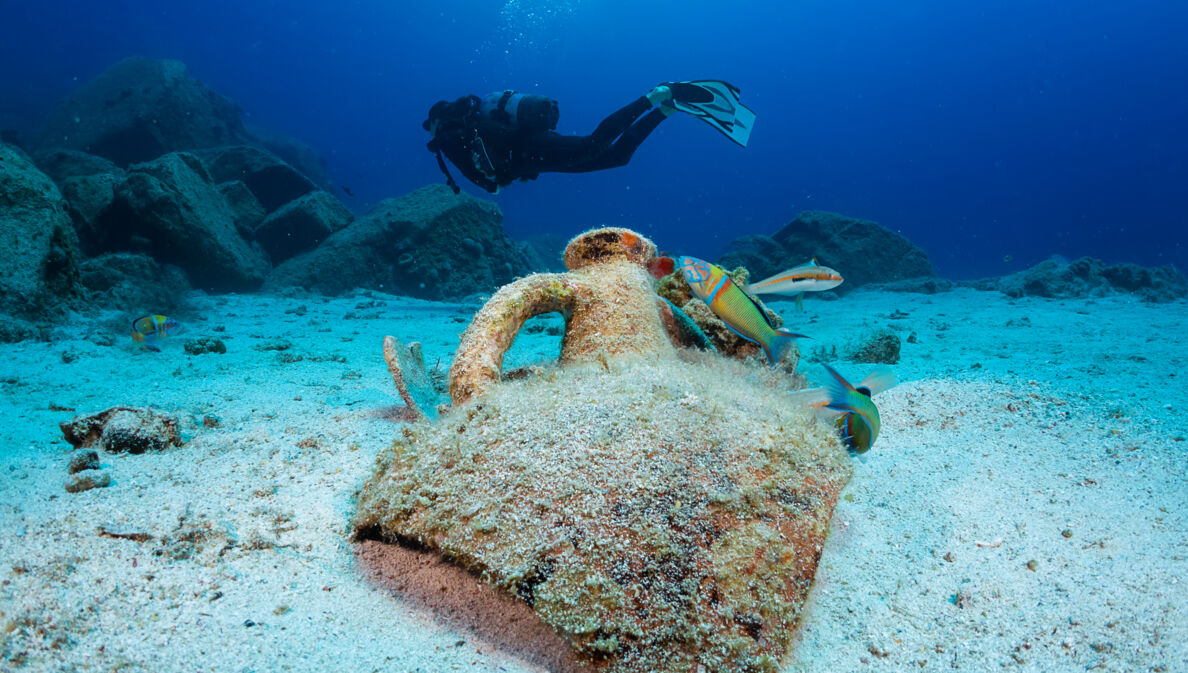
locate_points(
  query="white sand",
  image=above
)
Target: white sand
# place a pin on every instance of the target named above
(1070, 423)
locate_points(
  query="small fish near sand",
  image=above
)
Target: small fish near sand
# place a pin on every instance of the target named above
(149, 330)
(739, 311)
(857, 416)
(808, 277)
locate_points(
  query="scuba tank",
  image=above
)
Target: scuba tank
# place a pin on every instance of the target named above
(520, 111)
(470, 123)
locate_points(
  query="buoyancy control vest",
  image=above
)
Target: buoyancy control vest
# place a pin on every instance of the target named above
(500, 117)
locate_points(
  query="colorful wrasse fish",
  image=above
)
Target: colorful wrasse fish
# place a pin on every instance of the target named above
(857, 416)
(740, 312)
(149, 329)
(809, 277)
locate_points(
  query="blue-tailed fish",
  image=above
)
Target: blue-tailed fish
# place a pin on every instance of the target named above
(147, 330)
(740, 312)
(809, 277)
(857, 415)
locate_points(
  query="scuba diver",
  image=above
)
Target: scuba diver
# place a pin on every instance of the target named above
(509, 136)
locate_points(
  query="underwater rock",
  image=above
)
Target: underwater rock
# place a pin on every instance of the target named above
(89, 198)
(39, 249)
(662, 512)
(758, 254)
(13, 329)
(248, 210)
(301, 225)
(139, 109)
(412, 246)
(918, 285)
(87, 480)
(133, 283)
(173, 204)
(1089, 277)
(83, 459)
(294, 153)
(59, 164)
(861, 250)
(879, 347)
(123, 429)
(204, 346)
(269, 178)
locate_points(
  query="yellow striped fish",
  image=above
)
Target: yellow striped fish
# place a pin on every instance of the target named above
(147, 330)
(740, 312)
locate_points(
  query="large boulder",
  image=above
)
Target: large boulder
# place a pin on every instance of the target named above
(139, 109)
(430, 244)
(301, 225)
(133, 283)
(249, 212)
(1089, 277)
(863, 251)
(295, 153)
(173, 207)
(269, 178)
(88, 183)
(89, 198)
(60, 163)
(39, 251)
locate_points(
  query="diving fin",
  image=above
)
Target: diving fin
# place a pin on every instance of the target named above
(716, 103)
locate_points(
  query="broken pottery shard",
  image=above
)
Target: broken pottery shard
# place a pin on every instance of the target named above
(407, 366)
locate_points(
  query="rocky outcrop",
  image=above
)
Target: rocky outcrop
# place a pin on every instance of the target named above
(132, 283)
(248, 210)
(1089, 277)
(39, 252)
(430, 244)
(88, 199)
(139, 109)
(59, 164)
(295, 153)
(123, 429)
(173, 205)
(863, 251)
(269, 178)
(301, 225)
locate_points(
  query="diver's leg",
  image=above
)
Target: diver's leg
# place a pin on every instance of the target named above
(552, 152)
(622, 150)
(619, 121)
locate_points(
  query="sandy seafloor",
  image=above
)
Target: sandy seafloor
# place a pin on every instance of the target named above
(1024, 430)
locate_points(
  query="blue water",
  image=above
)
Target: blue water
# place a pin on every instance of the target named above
(991, 134)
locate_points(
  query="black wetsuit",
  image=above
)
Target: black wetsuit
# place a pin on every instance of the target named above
(493, 156)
